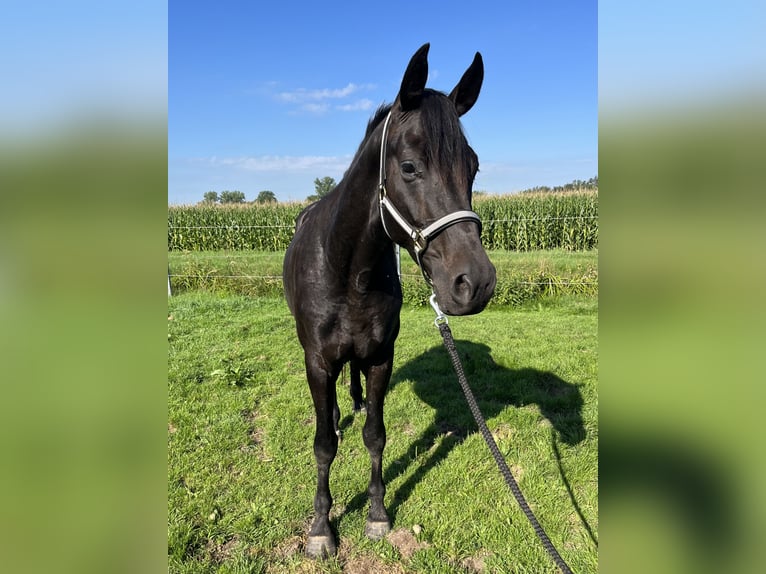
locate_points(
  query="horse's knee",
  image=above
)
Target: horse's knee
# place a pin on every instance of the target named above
(325, 447)
(374, 437)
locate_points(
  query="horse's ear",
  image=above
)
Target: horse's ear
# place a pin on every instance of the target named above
(414, 81)
(467, 90)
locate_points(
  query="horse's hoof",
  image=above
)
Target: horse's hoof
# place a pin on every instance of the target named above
(377, 530)
(321, 547)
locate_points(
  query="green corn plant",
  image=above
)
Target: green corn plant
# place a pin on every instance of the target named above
(520, 222)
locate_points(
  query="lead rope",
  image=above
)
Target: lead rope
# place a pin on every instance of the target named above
(449, 343)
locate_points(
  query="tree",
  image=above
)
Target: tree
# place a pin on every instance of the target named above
(232, 197)
(210, 197)
(266, 197)
(322, 187)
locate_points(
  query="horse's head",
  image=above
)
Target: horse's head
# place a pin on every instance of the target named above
(426, 175)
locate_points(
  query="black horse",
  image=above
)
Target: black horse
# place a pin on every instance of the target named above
(409, 183)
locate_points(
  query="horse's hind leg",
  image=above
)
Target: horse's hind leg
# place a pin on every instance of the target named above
(374, 433)
(321, 540)
(356, 389)
(336, 420)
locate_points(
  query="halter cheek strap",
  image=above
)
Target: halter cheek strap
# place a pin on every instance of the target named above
(421, 237)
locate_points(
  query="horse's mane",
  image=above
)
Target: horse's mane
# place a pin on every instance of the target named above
(377, 118)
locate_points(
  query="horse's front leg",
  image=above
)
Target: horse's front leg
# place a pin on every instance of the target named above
(321, 540)
(374, 433)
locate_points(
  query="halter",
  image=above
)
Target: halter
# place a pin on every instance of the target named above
(421, 237)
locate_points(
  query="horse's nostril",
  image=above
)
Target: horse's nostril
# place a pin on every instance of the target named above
(462, 289)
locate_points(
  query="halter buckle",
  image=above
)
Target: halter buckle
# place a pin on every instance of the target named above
(419, 241)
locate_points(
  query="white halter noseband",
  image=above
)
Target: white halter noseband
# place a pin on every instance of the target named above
(420, 237)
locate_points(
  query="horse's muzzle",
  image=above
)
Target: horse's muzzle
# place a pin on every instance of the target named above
(467, 292)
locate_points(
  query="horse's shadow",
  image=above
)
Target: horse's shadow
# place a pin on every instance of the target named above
(496, 387)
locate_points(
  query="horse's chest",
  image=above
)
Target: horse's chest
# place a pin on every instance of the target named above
(370, 333)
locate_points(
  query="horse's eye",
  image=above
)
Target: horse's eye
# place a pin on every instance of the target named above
(408, 167)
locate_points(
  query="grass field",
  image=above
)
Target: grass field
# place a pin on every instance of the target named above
(522, 277)
(241, 472)
(506, 262)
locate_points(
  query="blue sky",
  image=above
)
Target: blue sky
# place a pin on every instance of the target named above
(269, 96)
(68, 63)
(242, 78)
(659, 55)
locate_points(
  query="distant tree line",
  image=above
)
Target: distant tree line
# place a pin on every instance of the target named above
(325, 185)
(575, 185)
(322, 187)
(232, 197)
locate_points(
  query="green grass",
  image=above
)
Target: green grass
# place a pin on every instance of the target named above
(241, 472)
(522, 277)
(270, 263)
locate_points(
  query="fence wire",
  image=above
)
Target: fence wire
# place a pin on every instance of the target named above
(235, 226)
(409, 275)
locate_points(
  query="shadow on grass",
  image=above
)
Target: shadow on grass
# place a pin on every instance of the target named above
(496, 388)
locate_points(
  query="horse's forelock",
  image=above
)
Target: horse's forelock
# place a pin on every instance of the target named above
(446, 147)
(445, 143)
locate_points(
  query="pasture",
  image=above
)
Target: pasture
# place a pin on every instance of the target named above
(241, 470)
(521, 277)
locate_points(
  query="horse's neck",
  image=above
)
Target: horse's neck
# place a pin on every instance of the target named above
(356, 241)
(355, 222)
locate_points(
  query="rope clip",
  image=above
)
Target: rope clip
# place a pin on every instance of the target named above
(441, 318)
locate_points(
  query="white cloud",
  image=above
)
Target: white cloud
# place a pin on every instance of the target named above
(277, 163)
(360, 105)
(316, 101)
(305, 95)
(313, 108)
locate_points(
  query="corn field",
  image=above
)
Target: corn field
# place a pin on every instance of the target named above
(260, 227)
(528, 222)
(522, 222)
